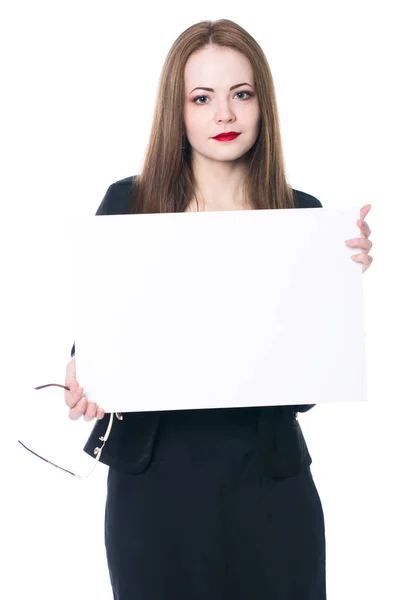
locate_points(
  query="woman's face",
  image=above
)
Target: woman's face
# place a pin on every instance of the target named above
(220, 109)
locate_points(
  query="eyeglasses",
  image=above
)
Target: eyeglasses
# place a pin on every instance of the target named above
(104, 438)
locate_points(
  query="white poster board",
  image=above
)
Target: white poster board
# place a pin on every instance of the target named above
(219, 309)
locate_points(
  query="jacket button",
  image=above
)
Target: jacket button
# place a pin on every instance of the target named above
(297, 415)
(96, 451)
(119, 416)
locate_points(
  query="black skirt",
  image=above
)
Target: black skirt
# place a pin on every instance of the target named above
(203, 522)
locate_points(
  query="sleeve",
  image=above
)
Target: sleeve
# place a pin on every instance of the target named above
(303, 407)
(104, 204)
(309, 201)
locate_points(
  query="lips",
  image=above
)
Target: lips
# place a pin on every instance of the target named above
(226, 137)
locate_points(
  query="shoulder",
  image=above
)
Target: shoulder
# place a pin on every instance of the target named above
(118, 197)
(303, 200)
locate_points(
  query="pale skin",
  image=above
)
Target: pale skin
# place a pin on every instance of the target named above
(218, 167)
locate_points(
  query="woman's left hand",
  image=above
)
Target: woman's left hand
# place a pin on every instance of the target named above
(363, 242)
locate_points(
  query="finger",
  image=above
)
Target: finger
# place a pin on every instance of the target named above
(100, 414)
(366, 264)
(361, 243)
(73, 386)
(70, 395)
(364, 259)
(77, 411)
(72, 398)
(70, 380)
(70, 371)
(364, 228)
(364, 211)
(90, 412)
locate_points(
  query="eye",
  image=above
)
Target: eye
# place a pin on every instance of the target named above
(249, 94)
(198, 98)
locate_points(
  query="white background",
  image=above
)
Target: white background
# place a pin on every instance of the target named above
(78, 91)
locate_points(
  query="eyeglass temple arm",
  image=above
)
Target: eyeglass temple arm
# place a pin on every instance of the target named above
(45, 459)
(99, 450)
(39, 387)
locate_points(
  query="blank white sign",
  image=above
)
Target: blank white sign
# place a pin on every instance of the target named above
(219, 309)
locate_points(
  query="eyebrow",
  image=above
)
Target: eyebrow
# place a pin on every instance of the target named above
(230, 89)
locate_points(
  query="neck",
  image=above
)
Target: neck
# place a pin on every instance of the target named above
(219, 185)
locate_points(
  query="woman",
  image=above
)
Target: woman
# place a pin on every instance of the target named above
(216, 503)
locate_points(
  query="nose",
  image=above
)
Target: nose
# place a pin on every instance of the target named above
(224, 114)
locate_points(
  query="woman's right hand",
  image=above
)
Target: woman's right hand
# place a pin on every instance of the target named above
(78, 404)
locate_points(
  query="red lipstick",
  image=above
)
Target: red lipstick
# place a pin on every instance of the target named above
(226, 137)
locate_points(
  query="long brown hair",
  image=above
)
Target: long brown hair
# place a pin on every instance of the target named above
(166, 182)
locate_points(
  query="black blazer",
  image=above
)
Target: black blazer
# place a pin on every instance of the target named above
(129, 447)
